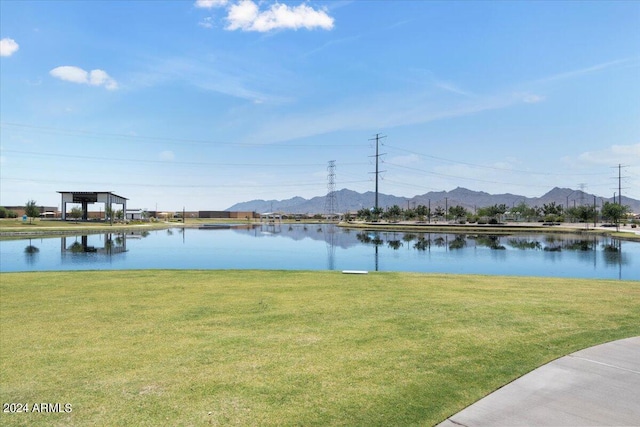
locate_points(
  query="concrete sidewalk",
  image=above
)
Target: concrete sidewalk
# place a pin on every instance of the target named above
(597, 386)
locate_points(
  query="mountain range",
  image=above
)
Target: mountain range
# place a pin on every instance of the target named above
(348, 200)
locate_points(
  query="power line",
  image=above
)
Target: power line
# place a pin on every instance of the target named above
(166, 162)
(155, 139)
(462, 177)
(134, 184)
(491, 167)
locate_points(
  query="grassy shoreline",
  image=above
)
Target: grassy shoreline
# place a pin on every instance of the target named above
(287, 347)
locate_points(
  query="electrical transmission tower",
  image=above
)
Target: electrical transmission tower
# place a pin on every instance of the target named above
(377, 156)
(582, 186)
(620, 187)
(331, 202)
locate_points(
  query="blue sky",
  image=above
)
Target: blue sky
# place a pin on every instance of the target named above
(202, 104)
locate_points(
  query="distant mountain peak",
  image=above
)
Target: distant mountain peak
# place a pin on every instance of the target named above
(349, 200)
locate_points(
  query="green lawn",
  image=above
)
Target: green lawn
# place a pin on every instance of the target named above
(151, 348)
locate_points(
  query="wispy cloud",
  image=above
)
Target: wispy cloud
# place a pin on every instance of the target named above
(530, 98)
(207, 22)
(332, 43)
(8, 47)
(611, 156)
(228, 75)
(409, 159)
(379, 112)
(167, 156)
(583, 71)
(450, 87)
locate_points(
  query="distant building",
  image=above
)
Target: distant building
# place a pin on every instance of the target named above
(227, 215)
(135, 214)
(45, 211)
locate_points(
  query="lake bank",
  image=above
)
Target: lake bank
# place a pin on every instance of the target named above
(11, 229)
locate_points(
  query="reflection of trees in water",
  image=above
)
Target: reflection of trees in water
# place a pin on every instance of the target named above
(551, 239)
(557, 244)
(422, 244)
(579, 245)
(31, 252)
(524, 244)
(363, 237)
(409, 237)
(552, 243)
(76, 247)
(489, 241)
(458, 242)
(394, 244)
(612, 253)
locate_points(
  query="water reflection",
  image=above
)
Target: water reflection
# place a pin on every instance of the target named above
(107, 244)
(320, 246)
(586, 248)
(31, 253)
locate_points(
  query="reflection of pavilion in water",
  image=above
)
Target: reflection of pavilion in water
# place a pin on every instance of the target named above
(112, 244)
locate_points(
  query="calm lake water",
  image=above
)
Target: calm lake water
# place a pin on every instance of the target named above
(326, 247)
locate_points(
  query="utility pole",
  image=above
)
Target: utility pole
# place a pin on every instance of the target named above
(446, 208)
(377, 156)
(619, 185)
(620, 166)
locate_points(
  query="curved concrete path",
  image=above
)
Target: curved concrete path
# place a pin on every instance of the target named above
(597, 386)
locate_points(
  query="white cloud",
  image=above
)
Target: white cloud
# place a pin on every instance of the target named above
(613, 155)
(8, 47)
(78, 75)
(247, 16)
(210, 4)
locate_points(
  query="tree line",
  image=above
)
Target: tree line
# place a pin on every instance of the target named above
(549, 212)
